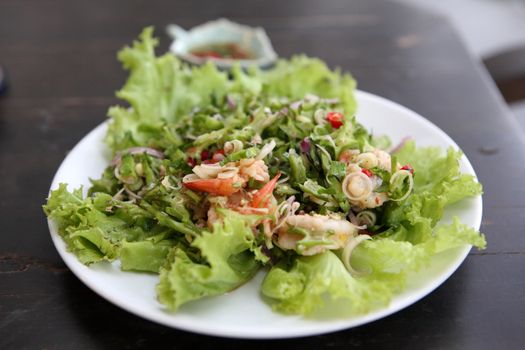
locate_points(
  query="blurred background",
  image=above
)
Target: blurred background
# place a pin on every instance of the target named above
(494, 32)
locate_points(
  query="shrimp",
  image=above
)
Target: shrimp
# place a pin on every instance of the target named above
(263, 196)
(324, 232)
(375, 199)
(252, 168)
(226, 185)
(258, 202)
(224, 195)
(375, 158)
(218, 187)
(348, 155)
(384, 159)
(227, 179)
(212, 217)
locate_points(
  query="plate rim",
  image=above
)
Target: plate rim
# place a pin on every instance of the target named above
(330, 326)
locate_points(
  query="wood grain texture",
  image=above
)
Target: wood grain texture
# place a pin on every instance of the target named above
(60, 56)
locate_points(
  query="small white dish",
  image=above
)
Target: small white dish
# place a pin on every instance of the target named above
(242, 313)
(222, 31)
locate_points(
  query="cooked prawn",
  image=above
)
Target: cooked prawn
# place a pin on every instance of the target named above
(331, 231)
(262, 197)
(218, 187)
(252, 168)
(227, 179)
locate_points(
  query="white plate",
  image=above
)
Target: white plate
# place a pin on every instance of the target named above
(242, 313)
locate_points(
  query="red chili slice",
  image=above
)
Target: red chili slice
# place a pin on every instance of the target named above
(205, 154)
(409, 168)
(191, 162)
(367, 172)
(335, 119)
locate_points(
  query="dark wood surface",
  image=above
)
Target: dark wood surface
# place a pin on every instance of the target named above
(60, 57)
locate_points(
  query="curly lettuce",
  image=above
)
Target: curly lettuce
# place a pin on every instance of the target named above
(411, 239)
(88, 232)
(305, 287)
(229, 257)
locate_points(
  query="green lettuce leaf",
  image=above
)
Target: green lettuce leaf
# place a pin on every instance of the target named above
(386, 255)
(314, 282)
(438, 173)
(91, 245)
(92, 228)
(88, 232)
(158, 89)
(229, 257)
(145, 255)
(438, 182)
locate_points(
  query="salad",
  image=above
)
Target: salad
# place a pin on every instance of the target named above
(215, 176)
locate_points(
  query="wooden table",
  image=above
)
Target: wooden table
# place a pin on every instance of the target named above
(60, 56)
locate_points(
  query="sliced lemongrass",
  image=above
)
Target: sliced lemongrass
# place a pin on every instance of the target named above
(122, 179)
(267, 149)
(283, 180)
(322, 149)
(207, 171)
(347, 253)
(131, 193)
(398, 178)
(330, 204)
(190, 178)
(357, 186)
(320, 116)
(233, 146)
(367, 160)
(366, 217)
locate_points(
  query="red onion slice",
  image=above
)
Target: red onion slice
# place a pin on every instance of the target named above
(400, 145)
(305, 145)
(137, 150)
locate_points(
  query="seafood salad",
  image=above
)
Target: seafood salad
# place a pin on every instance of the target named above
(215, 176)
